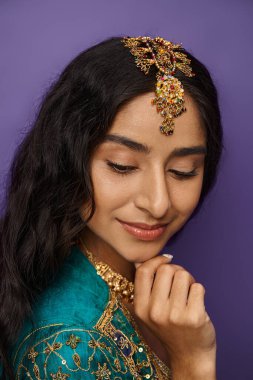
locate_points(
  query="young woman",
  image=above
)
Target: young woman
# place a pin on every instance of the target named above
(95, 192)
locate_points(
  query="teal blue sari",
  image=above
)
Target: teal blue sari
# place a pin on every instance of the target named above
(80, 330)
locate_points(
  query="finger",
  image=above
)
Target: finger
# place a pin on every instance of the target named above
(178, 297)
(195, 301)
(162, 286)
(144, 277)
(164, 254)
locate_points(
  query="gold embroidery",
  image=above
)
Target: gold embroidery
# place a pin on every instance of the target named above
(59, 375)
(123, 343)
(117, 364)
(129, 348)
(77, 360)
(32, 355)
(102, 372)
(115, 301)
(36, 371)
(32, 333)
(93, 343)
(161, 367)
(116, 353)
(73, 340)
(54, 347)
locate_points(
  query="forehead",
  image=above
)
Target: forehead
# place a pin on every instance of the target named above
(139, 120)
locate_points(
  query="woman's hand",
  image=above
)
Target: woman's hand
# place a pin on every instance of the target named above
(171, 303)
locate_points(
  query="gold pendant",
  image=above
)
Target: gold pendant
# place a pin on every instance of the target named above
(169, 101)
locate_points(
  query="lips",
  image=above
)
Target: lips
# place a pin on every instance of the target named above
(145, 226)
(144, 231)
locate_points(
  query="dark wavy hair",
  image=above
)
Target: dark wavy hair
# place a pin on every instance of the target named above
(49, 179)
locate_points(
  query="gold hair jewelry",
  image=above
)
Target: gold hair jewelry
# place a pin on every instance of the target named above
(169, 90)
(117, 283)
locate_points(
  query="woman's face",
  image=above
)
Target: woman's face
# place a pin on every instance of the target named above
(136, 178)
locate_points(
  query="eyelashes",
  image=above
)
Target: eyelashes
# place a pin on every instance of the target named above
(121, 169)
(127, 169)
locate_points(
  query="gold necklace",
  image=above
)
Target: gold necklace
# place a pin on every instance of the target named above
(117, 283)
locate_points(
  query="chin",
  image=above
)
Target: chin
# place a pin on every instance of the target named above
(140, 252)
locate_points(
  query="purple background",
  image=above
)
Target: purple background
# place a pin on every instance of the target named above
(38, 38)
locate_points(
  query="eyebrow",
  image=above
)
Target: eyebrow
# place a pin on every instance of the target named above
(143, 148)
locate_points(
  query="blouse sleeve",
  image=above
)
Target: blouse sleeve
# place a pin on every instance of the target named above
(65, 354)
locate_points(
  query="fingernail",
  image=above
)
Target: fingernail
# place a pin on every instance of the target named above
(168, 255)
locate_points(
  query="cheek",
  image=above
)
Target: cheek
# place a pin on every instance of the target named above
(185, 196)
(110, 190)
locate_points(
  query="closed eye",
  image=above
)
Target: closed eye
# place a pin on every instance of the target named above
(184, 174)
(121, 169)
(128, 169)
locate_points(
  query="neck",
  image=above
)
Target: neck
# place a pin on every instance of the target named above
(103, 252)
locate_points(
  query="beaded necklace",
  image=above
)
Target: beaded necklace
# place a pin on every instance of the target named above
(118, 283)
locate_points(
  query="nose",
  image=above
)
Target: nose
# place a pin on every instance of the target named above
(153, 194)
